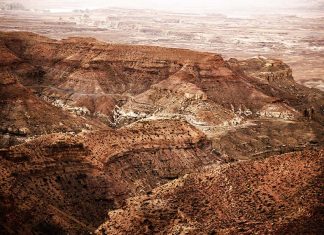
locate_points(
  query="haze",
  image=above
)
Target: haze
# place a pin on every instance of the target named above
(178, 5)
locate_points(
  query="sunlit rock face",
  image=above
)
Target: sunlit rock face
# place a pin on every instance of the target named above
(87, 129)
(268, 70)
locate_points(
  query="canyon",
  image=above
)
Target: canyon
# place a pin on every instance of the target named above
(109, 138)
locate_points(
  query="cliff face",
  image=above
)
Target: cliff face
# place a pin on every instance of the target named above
(86, 73)
(87, 125)
(119, 84)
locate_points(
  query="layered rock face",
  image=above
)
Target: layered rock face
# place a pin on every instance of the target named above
(89, 127)
(119, 84)
(268, 70)
(23, 114)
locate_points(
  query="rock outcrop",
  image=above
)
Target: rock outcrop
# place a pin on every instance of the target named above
(267, 70)
(142, 137)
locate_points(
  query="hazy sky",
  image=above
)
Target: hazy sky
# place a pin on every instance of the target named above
(175, 5)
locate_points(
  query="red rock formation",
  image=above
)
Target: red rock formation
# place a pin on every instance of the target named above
(101, 123)
(82, 72)
(22, 114)
(77, 179)
(240, 198)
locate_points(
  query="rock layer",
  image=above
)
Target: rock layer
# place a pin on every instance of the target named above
(68, 183)
(85, 126)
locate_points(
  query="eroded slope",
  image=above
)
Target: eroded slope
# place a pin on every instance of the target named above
(68, 183)
(101, 123)
(241, 198)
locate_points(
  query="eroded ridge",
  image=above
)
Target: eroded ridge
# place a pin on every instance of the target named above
(93, 132)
